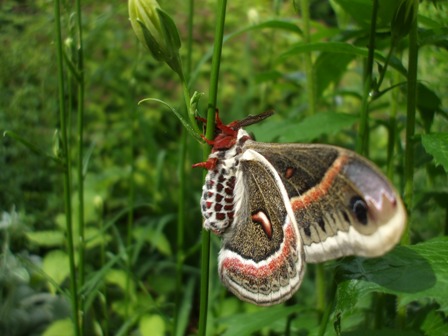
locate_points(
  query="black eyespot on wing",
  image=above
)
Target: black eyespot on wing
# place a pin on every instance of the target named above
(359, 208)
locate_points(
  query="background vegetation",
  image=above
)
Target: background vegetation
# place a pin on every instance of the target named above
(133, 273)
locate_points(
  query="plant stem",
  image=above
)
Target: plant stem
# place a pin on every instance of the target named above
(320, 291)
(411, 102)
(80, 165)
(67, 170)
(392, 128)
(363, 134)
(180, 229)
(309, 70)
(182, 182)
(130, 219)
(213, 93)
(410, 119)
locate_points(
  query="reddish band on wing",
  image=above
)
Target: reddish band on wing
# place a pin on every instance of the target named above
(318, 191)
(235, 265)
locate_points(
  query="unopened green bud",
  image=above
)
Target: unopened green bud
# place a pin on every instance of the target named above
(157, 31)
(403, 19)
(142, 14)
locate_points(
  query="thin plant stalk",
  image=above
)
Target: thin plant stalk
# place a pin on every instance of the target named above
(104, 301)
(309, 70)
(311, 98)
(180, 228)
(363, 134)
(212, 99)
(80, 150)
(411, 102)
(392, 129)
(130, 219)
(320, 291)
(182, 184)
(67, 171)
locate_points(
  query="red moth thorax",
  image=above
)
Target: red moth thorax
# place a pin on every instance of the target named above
(218, 192)
(218, 202)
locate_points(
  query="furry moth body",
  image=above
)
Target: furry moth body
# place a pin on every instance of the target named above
(278, 206)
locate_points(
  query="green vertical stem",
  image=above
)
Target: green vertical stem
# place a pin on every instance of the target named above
(130, 219)
(182, 183)
(446, 222)
(362, 142)
(392, 128)
(103, 298)
(80, 165)
(378, 304)
(311, 98)
(180, 228)
(410, 119)
(67, 170)
(213, 94)
(411, 102)
(309, 70)
(320, 291)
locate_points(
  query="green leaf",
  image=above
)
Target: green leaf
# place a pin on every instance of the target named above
(437, 37)
(361, 11)
(342, 48)
(428, 103)
(120, 279)
(46, 238)
(247, 324)
(151, 325)
(381, 332)
(154, 237)
(434, 324)
(275, 24)
(56, 266)
(307, 130)
(413, 272)
(436, 144)
(329, 69)
(60, 327)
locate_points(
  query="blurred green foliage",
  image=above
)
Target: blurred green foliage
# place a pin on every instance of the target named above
(262, 68)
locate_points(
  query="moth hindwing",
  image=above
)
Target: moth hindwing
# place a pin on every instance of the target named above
(278, 206)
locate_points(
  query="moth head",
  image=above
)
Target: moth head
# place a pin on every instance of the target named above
(229, 135)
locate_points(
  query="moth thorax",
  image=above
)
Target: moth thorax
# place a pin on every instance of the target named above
(217, 201)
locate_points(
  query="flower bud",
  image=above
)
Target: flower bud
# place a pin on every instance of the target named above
(142, 14)
(157, 31)
(403, 19)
